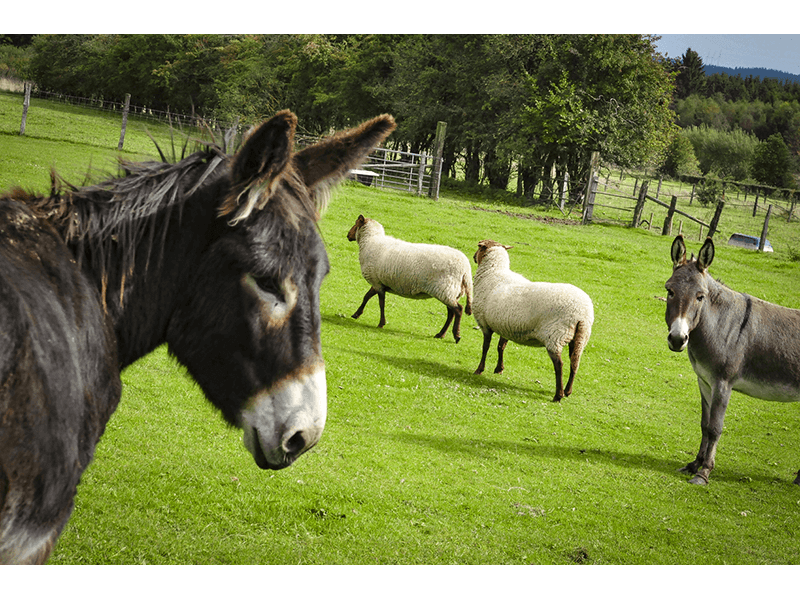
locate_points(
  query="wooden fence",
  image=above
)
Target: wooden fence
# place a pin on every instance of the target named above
(386, 168)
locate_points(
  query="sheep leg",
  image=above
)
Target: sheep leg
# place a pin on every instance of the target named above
(487, 341)
(557, 365)
(501, 347)
(453, 313)
(381, 301)
(574, 361)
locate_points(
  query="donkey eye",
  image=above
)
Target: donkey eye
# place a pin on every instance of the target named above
(670, 293)
(700, 297)
(268, 284)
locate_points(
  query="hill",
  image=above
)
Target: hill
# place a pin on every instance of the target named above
(752, 72)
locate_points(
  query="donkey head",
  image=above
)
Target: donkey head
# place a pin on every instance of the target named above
(687, 291)
(249, 331)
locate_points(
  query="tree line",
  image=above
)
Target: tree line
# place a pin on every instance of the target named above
(536, 106)
(740, 128)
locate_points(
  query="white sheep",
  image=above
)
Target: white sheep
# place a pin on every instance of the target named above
(529, 313)
(412, 271)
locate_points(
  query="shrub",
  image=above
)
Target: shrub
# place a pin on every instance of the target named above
(727, 153)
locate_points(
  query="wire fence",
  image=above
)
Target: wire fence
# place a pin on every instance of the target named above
(385, 168)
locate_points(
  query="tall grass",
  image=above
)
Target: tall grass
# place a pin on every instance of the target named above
(423, 462)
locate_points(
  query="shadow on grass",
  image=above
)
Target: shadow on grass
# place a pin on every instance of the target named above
(479, 447)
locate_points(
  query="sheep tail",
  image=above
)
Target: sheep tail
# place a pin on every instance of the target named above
(466, 288)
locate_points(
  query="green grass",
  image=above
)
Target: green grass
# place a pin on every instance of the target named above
(423, 462)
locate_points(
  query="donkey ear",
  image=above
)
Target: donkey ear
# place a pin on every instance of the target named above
(266, 150)
(678, 252)
(328, 162)
(259, 165)
(706, 255)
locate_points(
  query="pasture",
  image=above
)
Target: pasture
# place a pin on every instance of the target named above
(421, 461)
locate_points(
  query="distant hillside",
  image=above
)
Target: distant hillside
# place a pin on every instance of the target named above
(755, 72)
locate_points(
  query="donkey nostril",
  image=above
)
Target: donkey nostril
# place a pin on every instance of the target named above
(295, 444)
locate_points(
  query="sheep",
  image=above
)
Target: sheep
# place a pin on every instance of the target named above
(529, 313)
(412, 271)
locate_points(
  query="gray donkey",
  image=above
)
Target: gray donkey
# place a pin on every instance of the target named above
(734, 341)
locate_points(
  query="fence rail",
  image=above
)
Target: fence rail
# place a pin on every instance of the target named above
(388, 168)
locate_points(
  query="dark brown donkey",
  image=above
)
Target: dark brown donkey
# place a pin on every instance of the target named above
(734, 342)
(219, 257)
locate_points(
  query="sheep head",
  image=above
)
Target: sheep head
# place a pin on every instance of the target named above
(483, 248)
(360, 222)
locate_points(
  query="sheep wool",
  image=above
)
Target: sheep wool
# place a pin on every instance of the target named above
(410, 270)
(529, 313)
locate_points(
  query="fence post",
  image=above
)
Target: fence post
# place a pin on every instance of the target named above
(667, 229)
(712, 227)
(420, 174)
(438, 144)
(25, 104)
(637, 212)
(755, 205)
(589, 210)
(763, 239)
(124, 121)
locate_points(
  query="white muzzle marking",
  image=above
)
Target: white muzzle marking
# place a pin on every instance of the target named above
(678, 334)
(283, 422)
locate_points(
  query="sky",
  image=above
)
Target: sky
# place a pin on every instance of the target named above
(769, 51)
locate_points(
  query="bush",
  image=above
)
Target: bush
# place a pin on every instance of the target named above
(772, 162)
(729, 154)
(709, 191)
(680, 160)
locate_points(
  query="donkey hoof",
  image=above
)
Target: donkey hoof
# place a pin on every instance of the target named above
(698, 480)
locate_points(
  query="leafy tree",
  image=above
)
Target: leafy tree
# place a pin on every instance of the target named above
(726, 153)
(771, 162)
(679, 158)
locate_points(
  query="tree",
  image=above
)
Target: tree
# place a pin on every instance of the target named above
(691, 77)
(772, 162)
(680, 159)
(585, 93)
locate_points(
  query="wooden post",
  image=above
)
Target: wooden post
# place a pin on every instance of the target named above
(25, 104)
(637, 212)
(667, 229)
(712, 228)
(700, 236)
(694, 185)
(658, 191)
(588, 211)
(420, 174)
(438, 145)
(594, 163)
(755, 205)
(791, 210)
(650, 222)
(763, 239)
(124, 121)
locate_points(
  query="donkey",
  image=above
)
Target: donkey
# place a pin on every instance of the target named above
(734, 342)
(219, 257)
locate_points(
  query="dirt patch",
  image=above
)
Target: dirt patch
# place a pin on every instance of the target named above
(548, 220)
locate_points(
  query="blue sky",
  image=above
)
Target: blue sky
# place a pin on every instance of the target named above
(769, 51)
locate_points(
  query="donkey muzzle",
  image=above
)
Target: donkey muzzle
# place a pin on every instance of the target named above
(678, 336)
(282, 423)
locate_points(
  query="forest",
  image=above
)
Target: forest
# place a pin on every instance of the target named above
(535, 106)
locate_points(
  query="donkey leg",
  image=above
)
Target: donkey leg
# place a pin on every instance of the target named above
(705, 407)
(450, 315)
(487, 341)
(797, 481)
(501, 348)
(719, 403)
(557, 365)
(367, 296)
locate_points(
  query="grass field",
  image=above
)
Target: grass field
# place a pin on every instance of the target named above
(423, 462)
